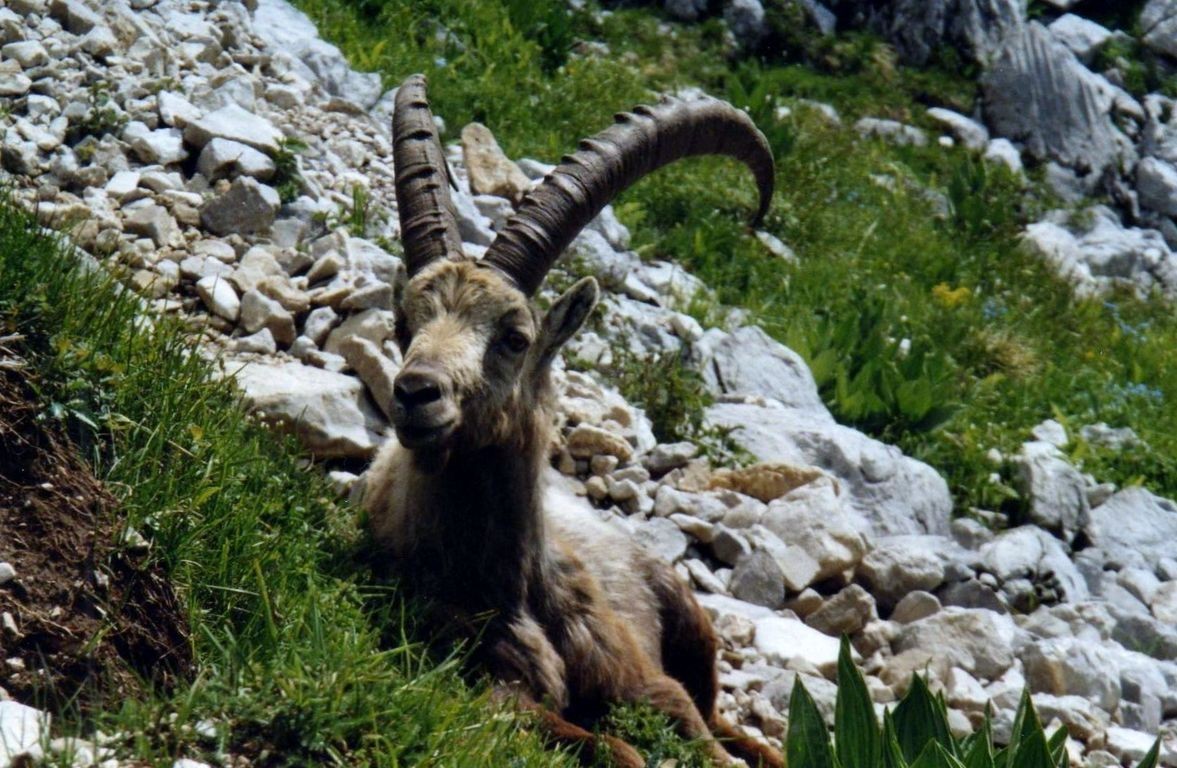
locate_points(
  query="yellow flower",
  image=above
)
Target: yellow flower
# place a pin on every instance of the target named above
(950, 297)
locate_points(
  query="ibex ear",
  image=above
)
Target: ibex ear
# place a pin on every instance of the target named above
(564, 318)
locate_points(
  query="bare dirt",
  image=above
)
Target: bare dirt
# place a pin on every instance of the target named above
(86, 620)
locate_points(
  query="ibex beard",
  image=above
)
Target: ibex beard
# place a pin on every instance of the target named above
(568, 616)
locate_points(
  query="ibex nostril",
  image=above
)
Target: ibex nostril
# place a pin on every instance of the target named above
(412, 390)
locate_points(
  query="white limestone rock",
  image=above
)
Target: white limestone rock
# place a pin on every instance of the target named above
(328, 412)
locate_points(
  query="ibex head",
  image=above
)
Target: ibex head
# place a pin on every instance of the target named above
(476, 349)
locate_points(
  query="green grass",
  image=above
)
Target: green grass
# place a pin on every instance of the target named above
(997, 343)
(302, 659)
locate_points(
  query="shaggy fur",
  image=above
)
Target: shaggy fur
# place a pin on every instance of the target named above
(579, 616)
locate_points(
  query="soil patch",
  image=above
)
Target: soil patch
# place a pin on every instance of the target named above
(86, 619)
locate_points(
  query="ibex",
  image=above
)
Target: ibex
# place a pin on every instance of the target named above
(575, 619)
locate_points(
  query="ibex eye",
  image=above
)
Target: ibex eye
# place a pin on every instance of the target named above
(516, 341)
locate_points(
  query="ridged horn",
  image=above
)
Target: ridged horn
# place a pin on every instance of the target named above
(429, 229)
(638, 143)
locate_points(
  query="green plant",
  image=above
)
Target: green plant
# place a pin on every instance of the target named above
(303, 659)
(915, 733)
(671, 392)
(871, 378)
(976, 190)
(642, 724)
(102, 116)
(354, 216)
(287, 177)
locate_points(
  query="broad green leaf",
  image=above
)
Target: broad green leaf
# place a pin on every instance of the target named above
(1057, 744)
(978, 747)
(919, 719)
(1032, 751)
(856, 730)
(1152, 757)
(1025, 711)
(808, 742)
(892, 754)
(934, 755)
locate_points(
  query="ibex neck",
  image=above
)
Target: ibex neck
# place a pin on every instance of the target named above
(487, 540)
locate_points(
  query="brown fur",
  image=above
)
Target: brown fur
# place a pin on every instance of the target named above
(580, 618)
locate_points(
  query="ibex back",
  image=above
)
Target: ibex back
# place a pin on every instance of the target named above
(570, 616)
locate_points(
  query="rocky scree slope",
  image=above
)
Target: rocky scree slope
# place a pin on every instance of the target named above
(232, 166)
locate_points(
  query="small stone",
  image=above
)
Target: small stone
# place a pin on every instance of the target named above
(224, 158)
(596, 488)
(1003, 152)
(669, 456)
(490, 171)
(891, 130)
(374, 368)
(14, 84)
(914, 606)
(1164, 603)
(219, 297)
(898, 565)
(248, 207)
(236, 124)
(260, 311)
(261, 342)
(162, 145)
(586, 441)
(783, 641)
(195, 267)
(1129, 744)
(22, 732)
(376, 295)
(319, 323)
(27, 53)
(662, 538)
(100, 42)
(602, 464)
(845, 613)
(7, 573)
(122, 184)
(151, 221)
(74, 15)
(375, 325)
(728, 546)
(215, 249)
(1052, 432)
(255, 267)
(766, 482)
(805, 603)
(758, 579)
(175, 110)
(279, 288)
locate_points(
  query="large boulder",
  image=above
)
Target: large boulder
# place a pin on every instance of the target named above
(1036, 92)
(978, 641)
(286, 29)
(328, 412)
(1158, 22)
(1056, 490)
(1097, 253)
(917, 28)
(814, 519)
(1069, 666)
(893, 493)
(748, 361)
(1134, 527)
(898, 565)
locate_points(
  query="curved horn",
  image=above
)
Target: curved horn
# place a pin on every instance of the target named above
(429, 229)
(637, 144)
